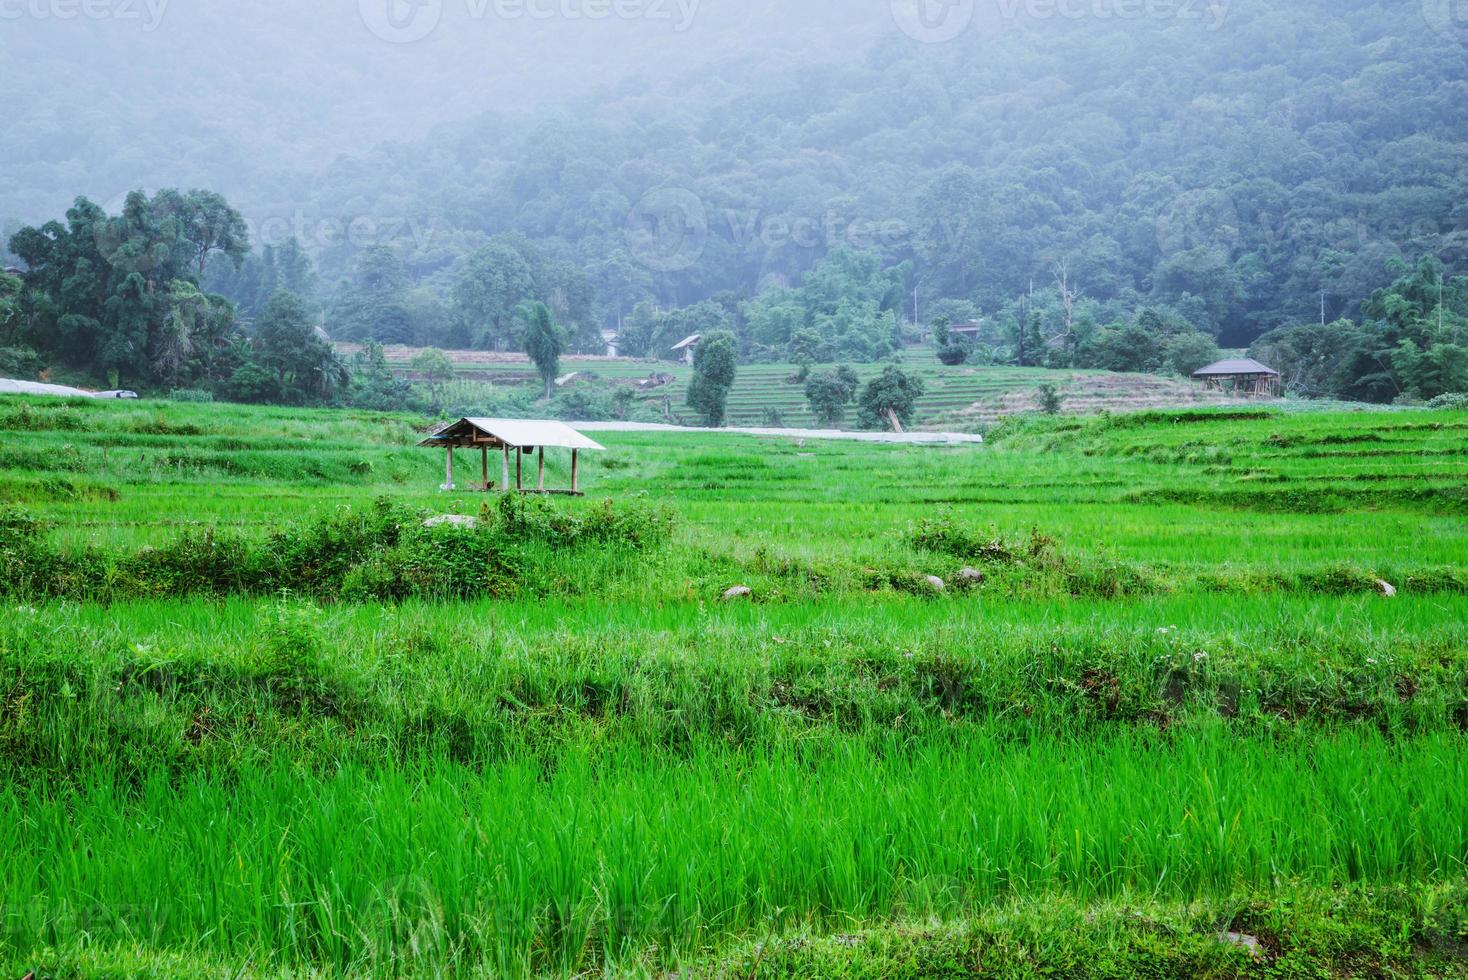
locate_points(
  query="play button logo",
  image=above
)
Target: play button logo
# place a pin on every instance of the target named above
(401, 21)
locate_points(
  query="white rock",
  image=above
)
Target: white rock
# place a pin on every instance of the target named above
(1243, 941)
(937, 583)
(453, 520)
(1386, 588)
(970, 576)
(738, 592)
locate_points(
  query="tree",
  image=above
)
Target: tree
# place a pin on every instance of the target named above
(373, 385)
(305, 367)
(828, 393)
(207, 224)
(436, 369)
(1310, 356)
(890, 400)
(493, 284)
(544, 343)
(1188, 351)
(714, 366)
(371, 305)
(10, 290)
(1047, 396)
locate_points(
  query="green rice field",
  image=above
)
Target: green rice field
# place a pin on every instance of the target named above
(1169, 694)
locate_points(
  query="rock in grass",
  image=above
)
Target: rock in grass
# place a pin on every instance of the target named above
(937, 583)
(1246, 942)
(452, 520)
(971, 576)
(1386, 588)
(738, 592)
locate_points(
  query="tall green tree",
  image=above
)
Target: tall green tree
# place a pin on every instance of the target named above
(305, 367)
(829, 393)
(545, 343)
(889, 401)
(715, 363)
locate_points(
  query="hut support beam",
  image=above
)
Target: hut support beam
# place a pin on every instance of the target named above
(484, 465)
(541, 484)
(575, 462)
(505, 471)
(448, 478)
(519, 468)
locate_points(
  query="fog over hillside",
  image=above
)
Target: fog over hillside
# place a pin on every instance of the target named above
(129, 93)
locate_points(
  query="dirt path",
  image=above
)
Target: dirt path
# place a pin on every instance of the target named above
(910, 438)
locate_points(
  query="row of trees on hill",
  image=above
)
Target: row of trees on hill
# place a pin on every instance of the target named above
(139, 298)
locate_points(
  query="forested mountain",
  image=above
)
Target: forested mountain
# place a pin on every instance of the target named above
(1234, 165)
(1079, 175)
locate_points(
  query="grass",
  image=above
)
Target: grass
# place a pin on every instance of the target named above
(1176, 706)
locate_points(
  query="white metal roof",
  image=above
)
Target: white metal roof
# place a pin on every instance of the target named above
(687, 342)
(1235, 366)
(517, 434)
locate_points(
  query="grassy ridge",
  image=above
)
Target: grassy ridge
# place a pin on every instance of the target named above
(184, 687)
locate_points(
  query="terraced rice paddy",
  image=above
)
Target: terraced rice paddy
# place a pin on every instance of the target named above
(956, 398)
(1169, 725)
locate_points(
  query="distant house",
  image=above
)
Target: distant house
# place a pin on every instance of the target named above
(611, 339)
(1242, 376)
(684, 348)
(969, 330)
(11, 270)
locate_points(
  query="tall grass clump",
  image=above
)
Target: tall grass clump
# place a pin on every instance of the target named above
(384, 552)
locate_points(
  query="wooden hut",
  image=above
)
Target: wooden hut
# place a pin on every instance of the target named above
(685, 348)
(507, 435)
(1241, 376)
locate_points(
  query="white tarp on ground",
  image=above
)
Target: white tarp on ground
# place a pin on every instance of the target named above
(910, 438)
(12, 387)
(8, 387)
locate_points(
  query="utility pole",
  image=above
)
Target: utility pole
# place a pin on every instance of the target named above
(1322, 307)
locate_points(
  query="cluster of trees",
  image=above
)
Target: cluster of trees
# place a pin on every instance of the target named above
(1412, 345)
(848, 307)
(119, 298)
(1147, 341)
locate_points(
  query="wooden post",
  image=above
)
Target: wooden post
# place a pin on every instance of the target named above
(505, 481)
(484, 461)
(574, 462)
(541, 484)
(519, 468)
(448, 479)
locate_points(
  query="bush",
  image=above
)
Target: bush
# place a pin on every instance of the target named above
(953, 354)
(20, 362)
(383, 553)
(1456, 401)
